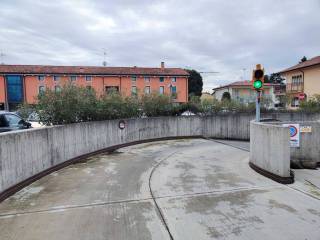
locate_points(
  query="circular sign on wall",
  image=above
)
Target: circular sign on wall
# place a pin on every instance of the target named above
(293, 131)
(122, 124)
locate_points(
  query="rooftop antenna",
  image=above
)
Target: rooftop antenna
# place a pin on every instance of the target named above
(104, 63)
(1, 57)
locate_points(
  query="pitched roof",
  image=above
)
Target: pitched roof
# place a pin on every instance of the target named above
(90, 70)
(245, 83)
(308, 63)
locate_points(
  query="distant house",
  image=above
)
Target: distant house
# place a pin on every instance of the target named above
(206, 96)
(303, 80)
(241, 92)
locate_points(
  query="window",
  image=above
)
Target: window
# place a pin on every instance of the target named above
(42, 89)
(297, 80)
(295, 102)
(111, 89)
(173, 79)
(73, 78)
(57, 88)
(174, 92)
(88, 78)
(147, 90)
(13, 120)
(133, 90)
(161, 90)
(41, 77)
(161, 79)
(133, 79)
(56, 78)
(147, 79)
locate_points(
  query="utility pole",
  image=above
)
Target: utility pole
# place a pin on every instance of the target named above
(257, 84)
(258, 106)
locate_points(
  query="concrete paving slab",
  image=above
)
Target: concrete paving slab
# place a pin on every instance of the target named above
(265, 213)
(207, 168)
(204, 190)
(308, 181)
(120, 176)
(134, 220)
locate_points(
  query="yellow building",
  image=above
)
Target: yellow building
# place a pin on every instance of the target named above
(206, 96)
(303, 80)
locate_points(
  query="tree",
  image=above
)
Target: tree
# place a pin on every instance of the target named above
(194, 83)
(303, 59)
(275, 78)
(266, 79)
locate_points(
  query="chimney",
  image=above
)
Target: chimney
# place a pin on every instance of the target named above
(162, 65)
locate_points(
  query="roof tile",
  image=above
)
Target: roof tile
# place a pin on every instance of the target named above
(308, 63)
(240, 83)
(93, 70)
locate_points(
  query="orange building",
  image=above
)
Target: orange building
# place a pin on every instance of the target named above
(23, 83)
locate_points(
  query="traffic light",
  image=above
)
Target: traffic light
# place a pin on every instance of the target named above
(257, 78)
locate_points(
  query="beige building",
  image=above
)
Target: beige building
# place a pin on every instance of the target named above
(241, 91)
(303, 80)
(206, 96)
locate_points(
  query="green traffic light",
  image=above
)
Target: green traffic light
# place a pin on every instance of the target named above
(257, 84)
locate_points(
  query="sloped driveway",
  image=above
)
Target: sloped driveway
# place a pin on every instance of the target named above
(182, 189)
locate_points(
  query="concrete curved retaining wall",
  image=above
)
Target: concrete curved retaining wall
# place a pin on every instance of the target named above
(271, 154)
(28, 155)
(270, 151)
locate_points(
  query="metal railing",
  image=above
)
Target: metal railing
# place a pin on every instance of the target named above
(294, 87)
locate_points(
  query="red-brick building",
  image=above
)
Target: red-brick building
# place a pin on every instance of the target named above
(22, 83)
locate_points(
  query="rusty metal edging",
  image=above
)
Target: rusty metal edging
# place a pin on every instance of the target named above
(277, 178)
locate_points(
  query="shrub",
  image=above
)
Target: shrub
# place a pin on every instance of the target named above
(78, 104)
(114, 105)
(157, 105)
(69, 105)
(312, 105)
(24, 110)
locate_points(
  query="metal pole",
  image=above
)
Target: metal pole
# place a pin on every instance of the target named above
(258, 107)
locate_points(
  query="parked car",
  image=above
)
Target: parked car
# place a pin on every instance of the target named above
(35, 120)
(11, 122)
(187, 113)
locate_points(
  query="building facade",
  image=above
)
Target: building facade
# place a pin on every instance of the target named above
(23, 83)
(302, 80)
(242, 92)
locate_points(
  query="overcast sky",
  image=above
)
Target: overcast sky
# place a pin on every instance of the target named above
(208, 35)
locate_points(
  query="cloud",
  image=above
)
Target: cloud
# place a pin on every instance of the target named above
(207, 35)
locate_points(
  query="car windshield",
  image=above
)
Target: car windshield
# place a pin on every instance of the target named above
(13, 120)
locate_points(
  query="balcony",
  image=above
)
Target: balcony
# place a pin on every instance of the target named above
(280, 89)
(294, 87)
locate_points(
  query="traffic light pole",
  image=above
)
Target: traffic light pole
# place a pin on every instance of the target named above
(258, 106)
